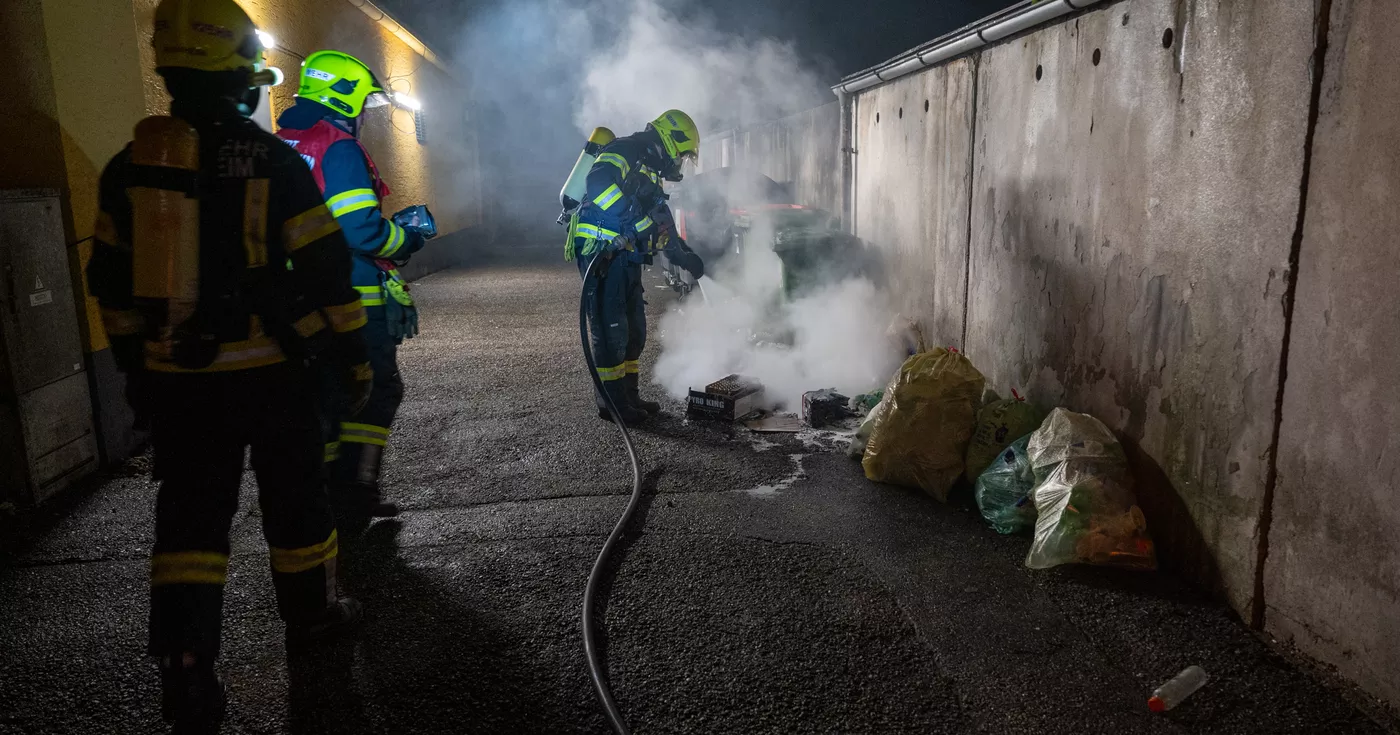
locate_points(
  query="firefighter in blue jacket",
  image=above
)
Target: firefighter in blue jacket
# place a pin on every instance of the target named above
(324, 126)
(625, 218)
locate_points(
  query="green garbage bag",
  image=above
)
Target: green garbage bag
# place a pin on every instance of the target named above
(999, 423)
(1085, 506)
(1003, 490)
(921, 439)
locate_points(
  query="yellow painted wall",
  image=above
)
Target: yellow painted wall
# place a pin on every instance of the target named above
(30, 140)
(97, 92)
(441, 174)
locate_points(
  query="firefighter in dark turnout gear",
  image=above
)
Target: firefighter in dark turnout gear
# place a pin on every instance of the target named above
(200, 217)
(625, 217)
(323, 126)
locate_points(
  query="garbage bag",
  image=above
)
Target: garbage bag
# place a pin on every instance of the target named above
(1003, 490)
(999, 423)
(1084, 497)
(866, 402)
(856, 449)
(921, 439)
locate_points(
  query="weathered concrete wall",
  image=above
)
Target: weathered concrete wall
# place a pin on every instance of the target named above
(1332, 580)
(1132, 222)
(1135, 190)
(800, 150)
(912, 172)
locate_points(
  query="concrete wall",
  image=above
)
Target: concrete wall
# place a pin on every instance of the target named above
(800, 150)
(1133, 251)
(912, 174)
(1130, 242)
(1332, 579)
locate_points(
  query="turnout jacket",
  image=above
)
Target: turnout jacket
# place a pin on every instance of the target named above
(273, 268)
(354, 193)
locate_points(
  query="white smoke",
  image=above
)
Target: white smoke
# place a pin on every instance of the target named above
(543, 73)
(657, 61)
(835, 337)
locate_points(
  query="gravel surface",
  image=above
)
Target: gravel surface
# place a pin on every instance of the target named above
(770, 589)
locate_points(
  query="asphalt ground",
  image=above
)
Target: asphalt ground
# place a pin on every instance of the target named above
(766, 587)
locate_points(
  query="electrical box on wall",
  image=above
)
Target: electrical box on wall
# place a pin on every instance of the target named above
(46, 428)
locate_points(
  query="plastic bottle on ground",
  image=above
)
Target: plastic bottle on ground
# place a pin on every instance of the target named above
(1178, 689)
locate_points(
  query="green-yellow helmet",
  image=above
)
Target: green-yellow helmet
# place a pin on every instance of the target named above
(209, 36)
(679, 135)
(341, 82)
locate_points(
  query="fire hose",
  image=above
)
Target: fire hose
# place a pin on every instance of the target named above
(590, 641)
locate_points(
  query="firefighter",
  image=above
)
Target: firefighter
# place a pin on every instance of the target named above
(324, 127)
(625, 218)
(199, 219)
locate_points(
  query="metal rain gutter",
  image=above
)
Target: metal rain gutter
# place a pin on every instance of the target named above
(986, 31)
(396, 28)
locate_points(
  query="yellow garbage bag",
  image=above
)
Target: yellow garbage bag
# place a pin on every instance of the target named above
(921, 438)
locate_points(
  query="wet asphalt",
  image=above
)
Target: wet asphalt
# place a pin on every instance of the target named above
(766, 586)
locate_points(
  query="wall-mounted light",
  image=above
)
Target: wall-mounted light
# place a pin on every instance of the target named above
(268, 41)
(407, 102)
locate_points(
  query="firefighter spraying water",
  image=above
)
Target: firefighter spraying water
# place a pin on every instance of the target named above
(625, 218)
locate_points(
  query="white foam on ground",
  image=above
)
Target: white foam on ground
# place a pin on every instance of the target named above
(760, 444)
(798, 473)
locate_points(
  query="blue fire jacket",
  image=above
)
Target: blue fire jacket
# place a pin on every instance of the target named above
(624, 197)
(353, 194)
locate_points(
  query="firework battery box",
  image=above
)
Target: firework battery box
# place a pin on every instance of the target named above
(822, 407)
(728, 399)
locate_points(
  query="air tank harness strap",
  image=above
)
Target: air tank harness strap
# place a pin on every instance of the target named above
(569, 253)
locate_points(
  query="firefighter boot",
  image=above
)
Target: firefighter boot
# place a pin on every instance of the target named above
(617, 391)
(632, 384)
(192, 695)
(339, 617)
(363, 490)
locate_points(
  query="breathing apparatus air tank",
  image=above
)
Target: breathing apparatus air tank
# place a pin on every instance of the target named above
(577, 183)
(165, 234)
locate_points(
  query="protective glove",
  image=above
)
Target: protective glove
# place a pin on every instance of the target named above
(357, 381)
(402, 321)
(696, 266)
(418, 218)
(621, 242)
(684, 257)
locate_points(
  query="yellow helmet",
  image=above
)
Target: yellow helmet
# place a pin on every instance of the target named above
(341, 82)
(209, 36)
(679, 135)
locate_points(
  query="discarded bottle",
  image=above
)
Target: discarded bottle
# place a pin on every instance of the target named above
(1178, 689)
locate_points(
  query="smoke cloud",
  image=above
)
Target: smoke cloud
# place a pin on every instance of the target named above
(543, 73)
(720, 78)
(833, 338)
